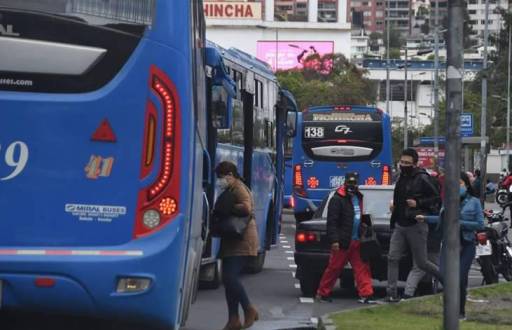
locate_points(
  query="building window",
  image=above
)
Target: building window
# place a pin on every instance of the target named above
(472, 12)
(327, 11)
(291, 10)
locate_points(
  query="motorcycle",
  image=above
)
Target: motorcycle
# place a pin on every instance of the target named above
(502, 195)
(494, 250)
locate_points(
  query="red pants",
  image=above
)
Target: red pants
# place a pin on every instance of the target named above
(337, 262)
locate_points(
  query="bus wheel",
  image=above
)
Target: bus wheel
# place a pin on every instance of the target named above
(303, 216)
(210, 277)
(255, 264)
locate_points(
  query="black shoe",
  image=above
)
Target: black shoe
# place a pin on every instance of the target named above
(367, 300)
(392, 299)
(406, 297)
(322, 299)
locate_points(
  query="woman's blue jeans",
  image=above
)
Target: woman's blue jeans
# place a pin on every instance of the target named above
(235, 292)
(467, 254)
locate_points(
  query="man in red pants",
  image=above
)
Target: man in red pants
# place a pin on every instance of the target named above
(344, 213)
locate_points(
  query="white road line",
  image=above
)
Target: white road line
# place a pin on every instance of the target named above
(314, 320)
(292, 266)
(287, 247)
(297, 286)
(293, 274)
(289, 252)
(290, 258)
(284, 242)
(306, 300)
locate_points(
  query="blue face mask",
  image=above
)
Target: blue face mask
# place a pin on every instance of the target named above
(462, 191)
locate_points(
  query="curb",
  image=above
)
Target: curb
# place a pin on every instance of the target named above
(325, 323)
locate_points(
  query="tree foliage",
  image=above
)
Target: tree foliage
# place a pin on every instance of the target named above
(328, 80)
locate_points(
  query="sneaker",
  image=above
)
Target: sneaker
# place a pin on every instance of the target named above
(367, 300)
(462, 317)
(406, 297)
(392, 299)
(322, 299)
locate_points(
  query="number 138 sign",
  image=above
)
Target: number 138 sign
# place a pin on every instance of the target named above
(16, 157)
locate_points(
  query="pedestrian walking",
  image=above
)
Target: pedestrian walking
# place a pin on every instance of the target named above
(471, 219)
(344, 228)
(235, 253)
(415, 194)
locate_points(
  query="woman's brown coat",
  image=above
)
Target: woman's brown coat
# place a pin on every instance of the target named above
(248, 246)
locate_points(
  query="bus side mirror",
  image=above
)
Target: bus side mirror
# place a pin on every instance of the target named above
(222, 107)
(291, 123)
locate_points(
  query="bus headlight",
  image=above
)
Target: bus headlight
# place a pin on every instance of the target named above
(151, 219)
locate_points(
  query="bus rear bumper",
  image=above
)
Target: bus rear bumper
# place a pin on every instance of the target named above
(84, 281)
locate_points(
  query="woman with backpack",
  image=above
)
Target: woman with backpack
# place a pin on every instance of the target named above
(236, 201)
(471, 219)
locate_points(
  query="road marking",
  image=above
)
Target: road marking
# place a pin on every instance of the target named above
(293, 274)
(314, 320)
(289, 252)
(287, 247)
(284, 242)
(297, 286)
(292, 266)
(306, 300)
(290, 258)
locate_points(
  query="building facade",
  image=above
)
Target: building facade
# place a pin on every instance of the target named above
(280, 32)
(476, 11)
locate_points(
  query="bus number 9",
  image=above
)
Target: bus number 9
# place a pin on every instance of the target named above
(314, 132)
(16, 156)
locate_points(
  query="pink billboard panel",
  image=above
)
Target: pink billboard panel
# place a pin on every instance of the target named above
(291, 54)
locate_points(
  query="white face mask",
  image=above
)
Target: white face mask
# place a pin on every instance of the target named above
(222, 183)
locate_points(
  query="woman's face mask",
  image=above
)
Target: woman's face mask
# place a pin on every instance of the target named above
(222, 183)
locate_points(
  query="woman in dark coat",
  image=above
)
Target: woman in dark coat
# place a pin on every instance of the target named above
(235, 253)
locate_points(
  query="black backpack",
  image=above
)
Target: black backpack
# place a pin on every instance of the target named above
(435, 186)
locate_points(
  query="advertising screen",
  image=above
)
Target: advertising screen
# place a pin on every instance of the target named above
(291, 54)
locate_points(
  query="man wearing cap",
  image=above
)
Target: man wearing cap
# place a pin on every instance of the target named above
(344, 215)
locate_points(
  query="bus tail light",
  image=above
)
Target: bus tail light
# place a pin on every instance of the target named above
(386, 177)
(298, 182)
(158, 202)
(313, 182)
(292, 202)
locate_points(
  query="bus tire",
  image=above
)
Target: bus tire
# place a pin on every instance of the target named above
(347, 280)
(488, 270)
(309, 283)
(211, 276)
(255, 264)
(303, 216)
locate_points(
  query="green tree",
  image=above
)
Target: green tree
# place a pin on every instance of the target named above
(394, 53)
(327, 80)
(395, 38)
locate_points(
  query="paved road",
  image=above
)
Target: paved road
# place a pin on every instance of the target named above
(276, 293)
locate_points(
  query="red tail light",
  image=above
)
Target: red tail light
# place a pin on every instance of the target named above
(158, 203)
(306, 237)
(298, 182)
(313, 182)
(343, 108)
(386, 177)
(370, 181)
(482, 238)
(292, 202)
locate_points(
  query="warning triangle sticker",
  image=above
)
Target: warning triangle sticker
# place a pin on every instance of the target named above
(104, 133)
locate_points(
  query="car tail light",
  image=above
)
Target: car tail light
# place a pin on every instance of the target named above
(386, 177)
(159, 203)
(482, 238)
(306, 237)
(298, 182)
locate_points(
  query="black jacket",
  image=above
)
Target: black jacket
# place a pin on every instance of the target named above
(340, 217)
(416, 186)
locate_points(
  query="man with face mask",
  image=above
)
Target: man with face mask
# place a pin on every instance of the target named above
(414, 195)
(344, 213)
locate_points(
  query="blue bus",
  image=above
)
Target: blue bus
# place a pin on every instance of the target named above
(264, 115)
(104, 162)
(332, 141)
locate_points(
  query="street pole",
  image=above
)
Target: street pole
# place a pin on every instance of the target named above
(508, 93)
(436, 82)
(451, 233)
(277, 48)
(405, 101)
(388, 62)
(483, 119)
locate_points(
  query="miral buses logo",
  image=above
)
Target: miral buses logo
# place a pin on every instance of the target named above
(232, 10)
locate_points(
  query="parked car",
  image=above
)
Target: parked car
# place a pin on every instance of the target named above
(312, 248)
